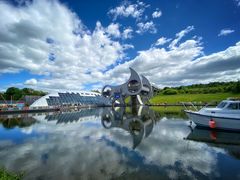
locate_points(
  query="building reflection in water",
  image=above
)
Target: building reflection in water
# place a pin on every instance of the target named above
(138, 122)
(74, 116)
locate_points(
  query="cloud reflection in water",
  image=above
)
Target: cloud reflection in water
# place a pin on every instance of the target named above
(106, 143)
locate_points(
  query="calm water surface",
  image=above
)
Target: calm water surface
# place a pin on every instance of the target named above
(116, 144)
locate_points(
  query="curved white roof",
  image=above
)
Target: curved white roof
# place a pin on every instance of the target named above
(42, 102)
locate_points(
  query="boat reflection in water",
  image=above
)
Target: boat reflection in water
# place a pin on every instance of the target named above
(139, 122)
(227, 140)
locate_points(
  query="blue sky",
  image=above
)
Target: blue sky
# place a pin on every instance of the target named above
(73, 45)
(208, 18)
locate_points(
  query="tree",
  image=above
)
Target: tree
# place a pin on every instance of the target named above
(236, 87)
(27, 91)
(13, 93)
(16, 93)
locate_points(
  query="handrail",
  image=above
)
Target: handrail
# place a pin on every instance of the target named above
(184, 105)
(212, 102)
(194, 106)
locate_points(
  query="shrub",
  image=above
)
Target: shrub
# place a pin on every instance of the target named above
(170, 92)
(236, 88)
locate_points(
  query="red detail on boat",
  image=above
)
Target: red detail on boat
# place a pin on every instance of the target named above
(212, 124)
(213, 135)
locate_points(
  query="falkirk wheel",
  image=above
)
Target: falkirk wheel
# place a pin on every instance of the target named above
(137, 87)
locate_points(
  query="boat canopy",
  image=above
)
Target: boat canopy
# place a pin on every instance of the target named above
(231, 105)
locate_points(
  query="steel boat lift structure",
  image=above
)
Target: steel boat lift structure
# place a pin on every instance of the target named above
(137, 87)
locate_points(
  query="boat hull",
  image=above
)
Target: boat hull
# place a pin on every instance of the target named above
(214, 136)
(221, 122)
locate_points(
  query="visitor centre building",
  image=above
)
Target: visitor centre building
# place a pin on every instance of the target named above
(81, 98)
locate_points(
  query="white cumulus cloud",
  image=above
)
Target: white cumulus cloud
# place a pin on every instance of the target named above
(238, 2)
(31, 82)
(156, 14)
(184, 64)
(126, 9)
(162, 41)
(127, 33)
(146, 27)
(113, 29)
(180, 35)
(225, 32)
(46, 38)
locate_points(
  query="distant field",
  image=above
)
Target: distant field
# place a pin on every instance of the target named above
(191, 98)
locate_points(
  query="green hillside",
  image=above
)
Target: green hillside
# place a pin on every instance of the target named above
(192, 98)
(210, 88)
(215, 91)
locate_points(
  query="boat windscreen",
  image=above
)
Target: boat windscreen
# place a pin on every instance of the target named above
(221, 105)
(233, 106)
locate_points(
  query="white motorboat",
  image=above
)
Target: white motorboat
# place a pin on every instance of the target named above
(225, 116)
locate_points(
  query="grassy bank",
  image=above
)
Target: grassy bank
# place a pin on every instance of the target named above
(191, 98)
(7, 175)
(170, 111)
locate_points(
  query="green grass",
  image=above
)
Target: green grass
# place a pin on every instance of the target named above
(167, 108)
(170, 111)
(7, 175)
(191, 98)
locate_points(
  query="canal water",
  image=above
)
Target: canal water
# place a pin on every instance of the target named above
(106, 143)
